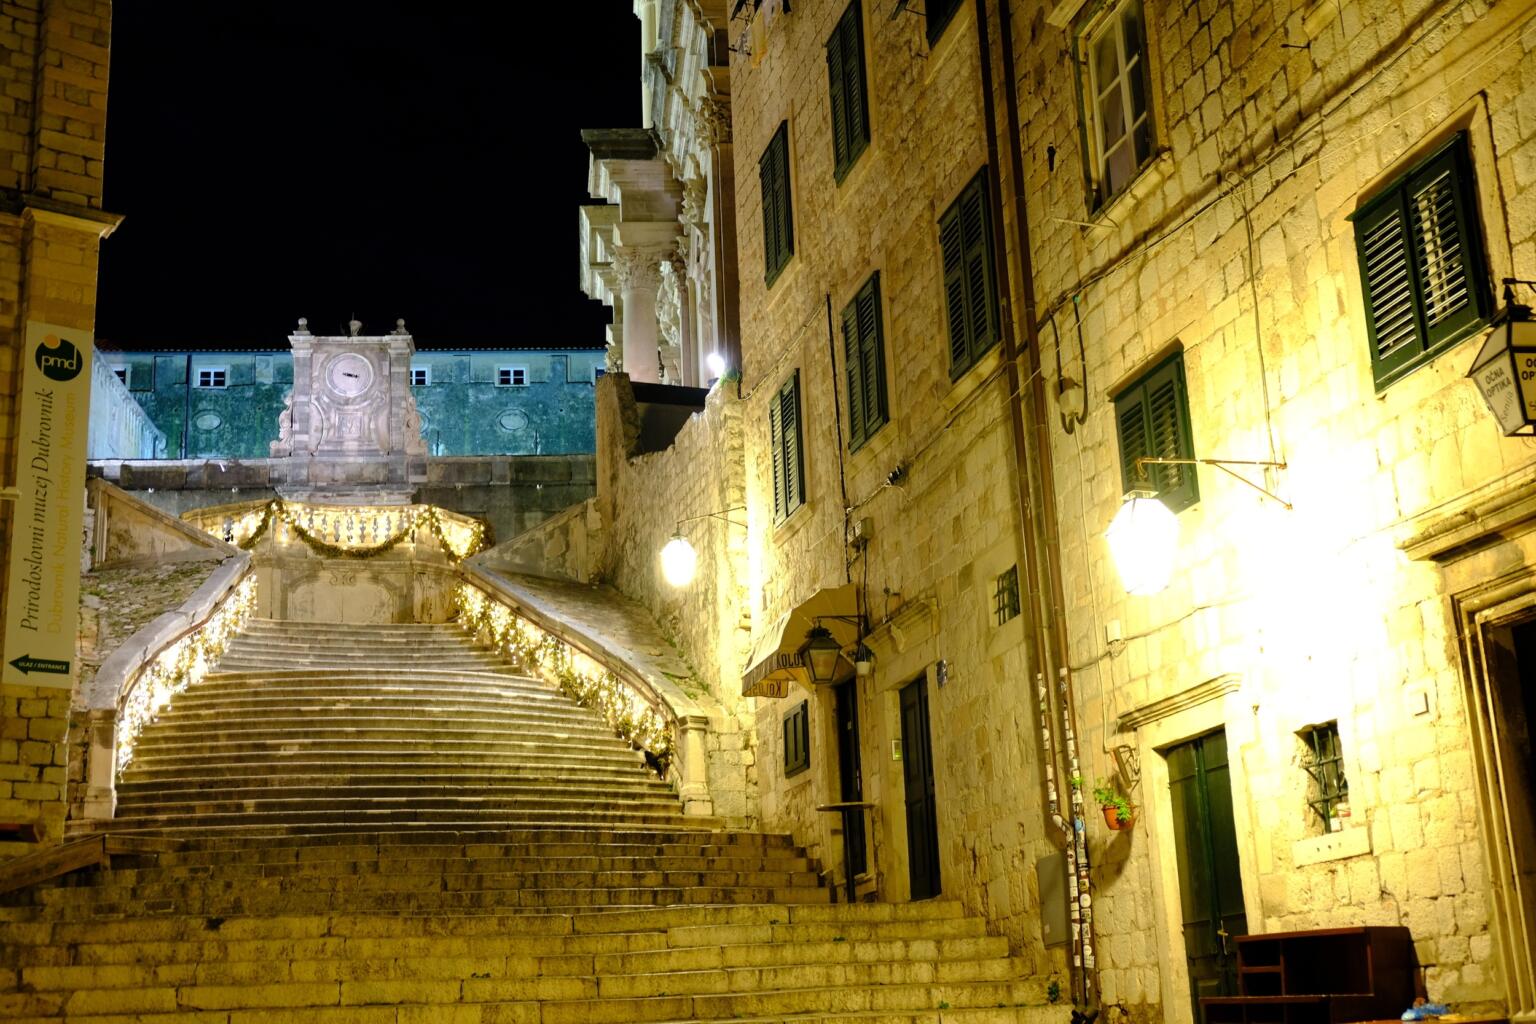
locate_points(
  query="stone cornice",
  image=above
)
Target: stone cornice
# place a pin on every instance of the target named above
(46, 210)
(1487, 515)
(1211, 689)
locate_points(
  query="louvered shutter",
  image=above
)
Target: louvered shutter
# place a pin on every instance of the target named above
(786, 230)
(776, 447)
(1445, 245)
(978, 268)
(952, 243)
(1381, 236)
(871, 357)
(778, 226)
(850, 107)
(853, 364)
(789, 427)
(1152, 419)
(837, 61)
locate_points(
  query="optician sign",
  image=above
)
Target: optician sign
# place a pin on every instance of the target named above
(43, 584)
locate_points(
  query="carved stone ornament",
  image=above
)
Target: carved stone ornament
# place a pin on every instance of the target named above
(715, 113)
(638, 267)
(695, 191)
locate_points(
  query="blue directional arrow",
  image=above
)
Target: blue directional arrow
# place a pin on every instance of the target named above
(26, 665)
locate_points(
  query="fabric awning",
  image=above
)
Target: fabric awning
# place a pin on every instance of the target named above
(775, 660)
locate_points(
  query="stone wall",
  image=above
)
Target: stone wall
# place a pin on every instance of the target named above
(1276, 121)
(52, 133)
(512, 493)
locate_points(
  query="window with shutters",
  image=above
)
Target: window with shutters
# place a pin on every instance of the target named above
(784, 439)
(778, 219)
(850, 100)
(970, 291)
(1117, 121)
(939, 13)
(1152, 420)
(864, 356)
(1422, 268)
(797, 740)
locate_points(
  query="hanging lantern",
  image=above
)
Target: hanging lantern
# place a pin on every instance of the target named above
(819, 654)
(1142, 539)
(1505, 369)
(678, 561)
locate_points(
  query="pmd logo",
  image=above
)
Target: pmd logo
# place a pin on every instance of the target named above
(58, 359)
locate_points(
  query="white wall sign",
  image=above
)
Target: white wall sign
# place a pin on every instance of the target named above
(43, 585)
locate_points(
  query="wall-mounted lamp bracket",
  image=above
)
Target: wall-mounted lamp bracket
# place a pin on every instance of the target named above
(906, 5)
(724, 515)
(1222, 464)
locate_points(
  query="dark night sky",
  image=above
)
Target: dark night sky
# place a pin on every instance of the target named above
(388, 159)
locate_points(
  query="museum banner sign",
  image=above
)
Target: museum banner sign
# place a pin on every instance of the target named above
(43, 585)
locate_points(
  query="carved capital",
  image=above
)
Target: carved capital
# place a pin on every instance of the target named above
(715, 119)
(695, 191)
(639, 266)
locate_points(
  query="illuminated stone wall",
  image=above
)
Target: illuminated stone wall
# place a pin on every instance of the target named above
(52, 131)
(1275, 122)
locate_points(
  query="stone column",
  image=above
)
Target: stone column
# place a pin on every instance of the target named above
(639, 272)
(722, 243)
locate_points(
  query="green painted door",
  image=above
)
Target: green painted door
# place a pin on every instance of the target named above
(917, 772)
(1210, 883)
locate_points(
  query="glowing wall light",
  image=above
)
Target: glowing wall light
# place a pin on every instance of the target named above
(1143, 538)
(679, 561)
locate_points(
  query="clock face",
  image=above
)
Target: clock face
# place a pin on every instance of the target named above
(349, 375)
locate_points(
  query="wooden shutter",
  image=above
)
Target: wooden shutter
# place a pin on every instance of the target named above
(853, 364)
(776, 448)
(794, 465)
(864, 359)
(1422, 269)
(979, 292)
(778, 226)
(849, 102)
(837, 83)
(1152, 419)
(952, 243)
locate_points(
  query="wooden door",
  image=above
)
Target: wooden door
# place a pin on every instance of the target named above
(851, 781)
(917, 773)
(1210, 881)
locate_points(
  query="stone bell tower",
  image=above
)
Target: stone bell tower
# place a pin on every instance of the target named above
(350, 432)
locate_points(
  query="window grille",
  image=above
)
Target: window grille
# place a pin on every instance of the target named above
(1324, 762)
(1005, 595)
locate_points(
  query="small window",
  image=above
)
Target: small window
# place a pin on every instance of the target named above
(1422, 269)
(1005, 595)
(1152, 419)
(970, 288)
(121, 373)
(784, 440)
(797, 740)
(598, 373)
(421, 376)
(512, 376)
(939, 14)
(1116, 118)
(1323, 759)
(864, 355)
(778, 218)
(213, 377)
(850, 99)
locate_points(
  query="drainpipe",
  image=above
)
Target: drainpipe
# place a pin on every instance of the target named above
(1037, 501)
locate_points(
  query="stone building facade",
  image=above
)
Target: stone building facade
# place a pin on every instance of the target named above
(659, 245)
(222, 404)
(52, 134)
(1048, 238)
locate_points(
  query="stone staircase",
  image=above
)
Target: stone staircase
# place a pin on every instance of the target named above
(382, 825)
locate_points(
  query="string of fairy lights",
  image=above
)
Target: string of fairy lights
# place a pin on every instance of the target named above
(579, 676)
(178, 666)
(348, 531)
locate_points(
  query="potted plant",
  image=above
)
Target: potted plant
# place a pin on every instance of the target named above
(1118, 812)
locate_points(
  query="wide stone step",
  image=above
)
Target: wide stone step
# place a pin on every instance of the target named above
(444, 721)
(425, 742)
(323, 682)
(160, 869)
(321, 773)
(326, 822)
(362, 787)
(374, 702)
(421, 807)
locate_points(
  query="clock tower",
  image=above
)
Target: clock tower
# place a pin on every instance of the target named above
(350, 431)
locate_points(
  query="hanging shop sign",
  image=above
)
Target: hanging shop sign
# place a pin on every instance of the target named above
(43, 583)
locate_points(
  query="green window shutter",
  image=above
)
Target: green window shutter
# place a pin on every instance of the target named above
(784, 438)
(864, 358)
(1422, 269)
(854, 366)
(1152, 419)
(953, 246)
(797, 740)
(778, 223)
(970, 288)
(849, 101)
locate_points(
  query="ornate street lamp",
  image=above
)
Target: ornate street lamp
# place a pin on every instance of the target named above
(1142, 539)
(819, 654)
(1505, 368)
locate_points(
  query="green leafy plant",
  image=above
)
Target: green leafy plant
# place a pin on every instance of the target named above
(1053, 991)
(1107, 797)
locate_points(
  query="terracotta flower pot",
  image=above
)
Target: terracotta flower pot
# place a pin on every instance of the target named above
(1112, 818)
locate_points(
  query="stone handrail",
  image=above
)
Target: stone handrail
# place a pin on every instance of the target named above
(686, 722)
(119, 700)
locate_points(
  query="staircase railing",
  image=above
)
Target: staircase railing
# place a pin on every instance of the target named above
(136, 682)
(652, 713)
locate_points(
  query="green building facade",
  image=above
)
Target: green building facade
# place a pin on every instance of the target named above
(225, 405)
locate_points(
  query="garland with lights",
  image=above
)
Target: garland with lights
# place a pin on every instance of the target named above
(178, 666)
(356, 522)
(577, 675)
